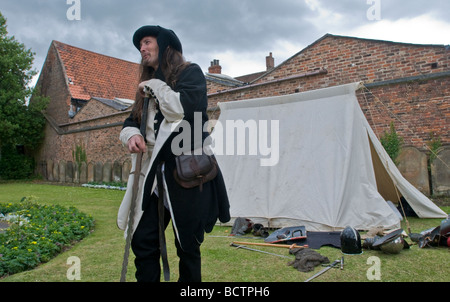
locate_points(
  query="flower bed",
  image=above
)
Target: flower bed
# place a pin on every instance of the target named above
(37, 233)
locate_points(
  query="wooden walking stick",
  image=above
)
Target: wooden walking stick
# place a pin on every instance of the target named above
(135, 188)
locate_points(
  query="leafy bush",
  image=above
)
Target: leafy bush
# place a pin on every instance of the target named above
(392, 143)
(37, 233)
(14, 165)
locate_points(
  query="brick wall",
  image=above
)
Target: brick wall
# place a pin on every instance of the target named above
(99, 137)
(53, 83)
(350, 60)
(213, 87)
(418, 109)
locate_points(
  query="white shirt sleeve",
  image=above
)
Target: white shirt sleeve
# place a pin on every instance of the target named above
(169, 100)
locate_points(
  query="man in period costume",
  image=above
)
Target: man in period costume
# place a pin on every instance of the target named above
(180, 94)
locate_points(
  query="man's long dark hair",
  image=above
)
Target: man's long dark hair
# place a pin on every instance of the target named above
(172, 64)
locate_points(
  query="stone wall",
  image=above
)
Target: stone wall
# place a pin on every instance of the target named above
(429, 177)
(440, 172)
(80, 173)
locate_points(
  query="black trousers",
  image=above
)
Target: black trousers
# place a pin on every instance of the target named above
(145, 246)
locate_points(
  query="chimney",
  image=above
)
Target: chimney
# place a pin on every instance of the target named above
(215, 67)
(270, 62)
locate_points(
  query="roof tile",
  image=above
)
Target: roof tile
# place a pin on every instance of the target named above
(95, 75)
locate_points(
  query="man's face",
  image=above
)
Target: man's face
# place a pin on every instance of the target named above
(149, 51)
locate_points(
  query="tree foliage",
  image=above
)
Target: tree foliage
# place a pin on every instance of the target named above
(21, 121)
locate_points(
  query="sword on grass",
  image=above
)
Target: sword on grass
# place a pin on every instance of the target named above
(137, 174)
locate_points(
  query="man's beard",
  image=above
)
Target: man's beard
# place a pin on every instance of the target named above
(148, 61)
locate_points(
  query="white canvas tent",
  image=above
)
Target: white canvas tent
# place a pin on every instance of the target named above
(310, 159)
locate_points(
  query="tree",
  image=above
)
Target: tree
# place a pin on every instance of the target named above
(20, 123)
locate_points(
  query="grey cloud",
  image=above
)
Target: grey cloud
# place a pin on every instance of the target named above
(390, 10)
(205, 27)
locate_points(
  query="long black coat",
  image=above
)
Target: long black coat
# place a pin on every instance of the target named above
(193, 211)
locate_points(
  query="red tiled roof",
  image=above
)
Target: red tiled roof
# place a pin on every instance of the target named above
(95, 75)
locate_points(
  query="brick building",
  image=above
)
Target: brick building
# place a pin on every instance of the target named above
(90, 96)
(407, 84)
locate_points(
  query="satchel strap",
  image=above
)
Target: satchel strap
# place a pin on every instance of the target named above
(195, 167)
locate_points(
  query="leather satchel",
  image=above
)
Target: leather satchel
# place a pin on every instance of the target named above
(195, 170)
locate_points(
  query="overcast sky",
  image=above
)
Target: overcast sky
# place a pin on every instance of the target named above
(239, 33)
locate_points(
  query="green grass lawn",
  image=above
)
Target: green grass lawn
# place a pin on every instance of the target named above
(101, 252)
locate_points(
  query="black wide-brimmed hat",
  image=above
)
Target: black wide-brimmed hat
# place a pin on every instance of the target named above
(164, 37)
